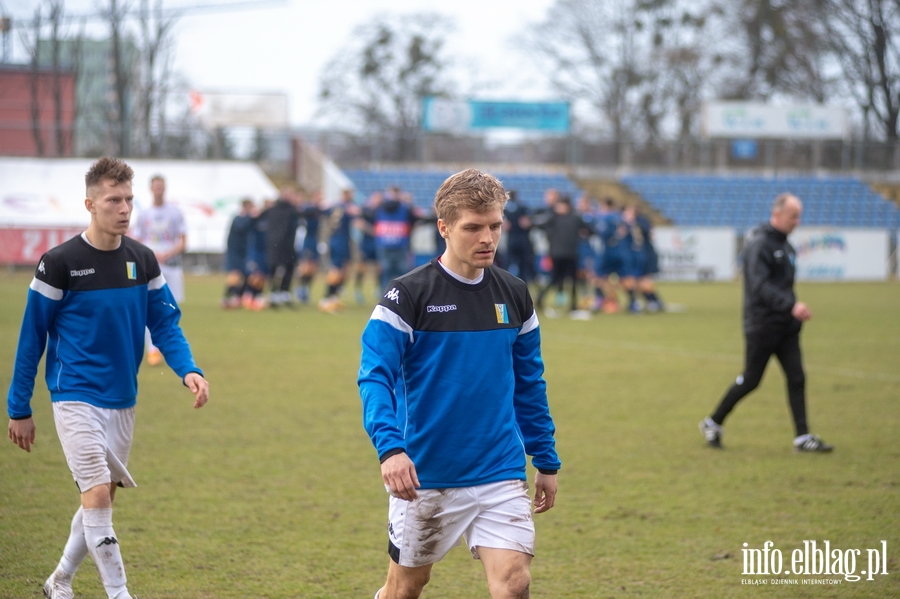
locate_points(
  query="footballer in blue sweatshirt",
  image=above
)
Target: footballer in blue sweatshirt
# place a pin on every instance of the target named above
(88, 305)
(451, 381)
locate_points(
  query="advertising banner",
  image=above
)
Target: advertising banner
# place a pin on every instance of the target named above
(48, 195)
(263, 110)
(26, 246)
(460, 116)
(755, 120)
(825, 254)
(696, 254)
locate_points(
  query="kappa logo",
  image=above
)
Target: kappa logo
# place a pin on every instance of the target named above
(108, 541)
(41, 267)
(393, 295)
(81, 273)
(447, 308)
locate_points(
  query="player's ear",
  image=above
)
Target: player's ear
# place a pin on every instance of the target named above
(89, 205)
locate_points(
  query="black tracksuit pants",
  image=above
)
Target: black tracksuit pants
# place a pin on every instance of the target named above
(563, 268)
(784, 343)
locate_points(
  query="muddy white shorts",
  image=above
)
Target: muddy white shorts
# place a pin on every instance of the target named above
(495, 515)
(96, 442)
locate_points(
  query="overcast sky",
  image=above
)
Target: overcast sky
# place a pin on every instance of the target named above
(282, 45)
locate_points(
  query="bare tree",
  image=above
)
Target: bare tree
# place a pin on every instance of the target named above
(685, 68)
(647, 66)
(36, 127)
(377, 82)
(75, 65)
(592, 53)
(55, 16)
(782, 51)
(156, 44)
(865, 37)
(115, 15)
(56, 58)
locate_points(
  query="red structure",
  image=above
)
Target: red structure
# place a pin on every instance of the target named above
(28, 111)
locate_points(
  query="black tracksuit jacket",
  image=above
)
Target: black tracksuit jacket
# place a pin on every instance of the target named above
(769, 281)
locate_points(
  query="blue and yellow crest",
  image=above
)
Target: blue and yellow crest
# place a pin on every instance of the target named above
(502, 313)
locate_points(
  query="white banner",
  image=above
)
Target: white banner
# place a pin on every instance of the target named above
(49, 194)
(696, 254)
(266, 111)
(825, 254)
(754, 120)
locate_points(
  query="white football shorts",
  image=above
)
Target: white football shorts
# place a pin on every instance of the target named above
(495, 515)
(96, 441)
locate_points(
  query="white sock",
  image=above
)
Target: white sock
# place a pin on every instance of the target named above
(104, 549)
(76, 549)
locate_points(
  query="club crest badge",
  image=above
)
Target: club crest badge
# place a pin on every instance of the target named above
(502, 313)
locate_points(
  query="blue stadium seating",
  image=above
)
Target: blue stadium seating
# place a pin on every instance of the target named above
(424, 184)
(687, 200)
(743, 202)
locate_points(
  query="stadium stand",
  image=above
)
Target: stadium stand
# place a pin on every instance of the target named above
(686, 200)
(424, 184)
(742, 202)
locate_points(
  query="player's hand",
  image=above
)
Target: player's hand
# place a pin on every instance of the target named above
(199, 386)
(544, 492)
(801, 312)
(399, 476)
(21, 432)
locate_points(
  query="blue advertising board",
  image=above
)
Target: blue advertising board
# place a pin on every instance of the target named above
(439, 114)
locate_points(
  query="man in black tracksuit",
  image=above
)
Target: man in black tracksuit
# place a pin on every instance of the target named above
(282, 219)
(564, 228)
(772, 321)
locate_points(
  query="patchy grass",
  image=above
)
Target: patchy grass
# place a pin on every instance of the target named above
(273, 490)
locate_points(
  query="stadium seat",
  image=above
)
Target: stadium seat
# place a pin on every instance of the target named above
(743, 201)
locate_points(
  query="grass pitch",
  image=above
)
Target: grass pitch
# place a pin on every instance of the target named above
(273, 489)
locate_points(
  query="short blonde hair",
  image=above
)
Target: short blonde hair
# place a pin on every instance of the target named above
(470, 189)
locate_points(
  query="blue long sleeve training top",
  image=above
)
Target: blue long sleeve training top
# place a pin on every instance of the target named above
(451, 373)
(89, 308)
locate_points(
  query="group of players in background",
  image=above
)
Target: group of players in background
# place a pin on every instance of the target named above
(595, 248)
(269, 246)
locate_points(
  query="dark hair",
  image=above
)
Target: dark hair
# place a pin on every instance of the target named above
(108, 168)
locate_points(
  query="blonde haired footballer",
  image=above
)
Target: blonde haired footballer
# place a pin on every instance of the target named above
(451, 381)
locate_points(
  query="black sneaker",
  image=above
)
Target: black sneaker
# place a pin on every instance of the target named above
(811, 444)
(712, 432)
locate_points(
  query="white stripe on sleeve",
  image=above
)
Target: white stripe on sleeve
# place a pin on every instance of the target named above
(46, 290)
(530, 324)
(156, 282)
(393, 319)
